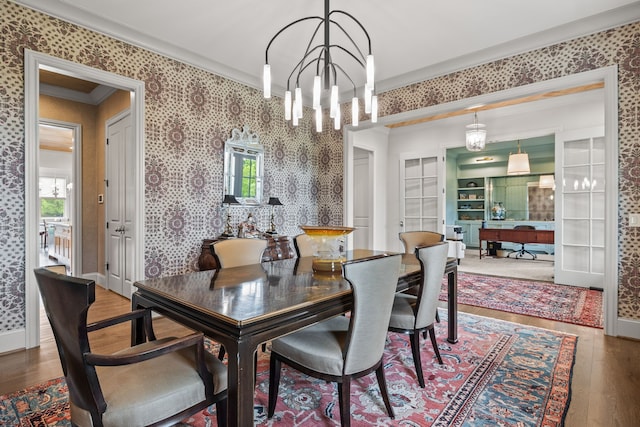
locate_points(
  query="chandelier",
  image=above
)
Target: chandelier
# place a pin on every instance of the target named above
(322, 57)
(476, 135)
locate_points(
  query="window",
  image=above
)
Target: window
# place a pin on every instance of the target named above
(53, 197)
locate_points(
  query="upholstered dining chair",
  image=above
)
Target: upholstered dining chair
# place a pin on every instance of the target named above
(304, 245)
(343, 348)
(411, 239)
(415, 314)
(237, 252)
(158, 382)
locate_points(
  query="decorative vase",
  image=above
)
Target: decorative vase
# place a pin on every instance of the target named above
(329, 249)
(498, 211)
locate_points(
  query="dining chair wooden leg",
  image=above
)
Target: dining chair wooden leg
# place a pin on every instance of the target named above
(221, 413)
(382, 383)
(274, 383)
(434, 343)
(344, 399)
(415, 350)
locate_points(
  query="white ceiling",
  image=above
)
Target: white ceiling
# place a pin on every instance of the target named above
(412, 40)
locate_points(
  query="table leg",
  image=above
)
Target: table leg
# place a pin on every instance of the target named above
(240, 384)
(452, 305)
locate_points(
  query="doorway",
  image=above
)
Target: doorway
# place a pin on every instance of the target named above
(59, 192)
(34, 63)
(450, 138)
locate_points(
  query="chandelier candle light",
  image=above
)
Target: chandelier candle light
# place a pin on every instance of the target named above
(324, 57)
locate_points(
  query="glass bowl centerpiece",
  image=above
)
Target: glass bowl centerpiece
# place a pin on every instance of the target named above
(329, 246)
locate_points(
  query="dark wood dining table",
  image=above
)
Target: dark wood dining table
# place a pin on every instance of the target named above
(242, 307)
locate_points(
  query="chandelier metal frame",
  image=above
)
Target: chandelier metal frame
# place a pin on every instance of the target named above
(327, 71)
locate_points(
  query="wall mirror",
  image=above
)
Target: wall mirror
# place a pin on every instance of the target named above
(522, 198)
(244, 166)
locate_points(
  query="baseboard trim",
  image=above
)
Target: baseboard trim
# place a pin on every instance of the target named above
(12, 340)
(628, 328)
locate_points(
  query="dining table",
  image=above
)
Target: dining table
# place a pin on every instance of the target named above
(243, 307)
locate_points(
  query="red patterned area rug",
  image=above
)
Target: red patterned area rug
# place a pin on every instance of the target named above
(499, 373)
(569, 304)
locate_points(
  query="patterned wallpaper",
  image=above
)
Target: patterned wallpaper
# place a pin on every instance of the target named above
(190, 113)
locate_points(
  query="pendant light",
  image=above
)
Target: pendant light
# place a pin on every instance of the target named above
(518, 163)
(476, 135)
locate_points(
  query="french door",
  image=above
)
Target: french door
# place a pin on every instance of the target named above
(421, 193)
(580, 208)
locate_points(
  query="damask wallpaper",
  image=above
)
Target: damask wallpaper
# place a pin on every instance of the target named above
(190, 113)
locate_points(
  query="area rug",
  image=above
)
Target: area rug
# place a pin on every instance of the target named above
(569, 304)
(499, 373)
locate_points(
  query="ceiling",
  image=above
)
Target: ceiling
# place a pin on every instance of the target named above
(412, 40)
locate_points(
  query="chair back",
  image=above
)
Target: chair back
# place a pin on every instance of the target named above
(411, 239)
(304, 245)
(524, 227)
(433, 260)
(66, 301)
(373, 282)
(236, 252)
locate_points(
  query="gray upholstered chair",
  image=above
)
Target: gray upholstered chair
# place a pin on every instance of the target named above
(304, 245)
(411, 239)
(415, 314)
(237, 252)
(160, 382)
(342, 347)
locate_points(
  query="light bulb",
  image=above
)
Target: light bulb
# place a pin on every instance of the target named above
(266, 80)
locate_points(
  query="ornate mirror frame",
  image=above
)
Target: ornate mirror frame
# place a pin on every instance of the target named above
(244, 166)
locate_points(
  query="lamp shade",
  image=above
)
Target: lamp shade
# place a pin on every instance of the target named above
(546, 181)
(274, 201)
(230, 199)
(518, 164)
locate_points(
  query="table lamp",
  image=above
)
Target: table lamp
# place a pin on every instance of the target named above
(229, 199)
(273, 201)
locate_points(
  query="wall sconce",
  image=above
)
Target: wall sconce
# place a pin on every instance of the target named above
(476, 135)
(273, 201)
(518, 163)
(229, 199)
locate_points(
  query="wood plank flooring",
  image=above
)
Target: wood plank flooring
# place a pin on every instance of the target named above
(606, 379)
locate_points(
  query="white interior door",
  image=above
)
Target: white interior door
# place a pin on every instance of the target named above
(580, 208)
(421, 194)
(120, 207)
(362, 199)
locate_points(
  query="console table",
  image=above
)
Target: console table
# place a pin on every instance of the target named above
(515, 236)
(278, 247)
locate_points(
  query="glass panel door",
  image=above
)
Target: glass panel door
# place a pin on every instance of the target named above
(580, 208)
(421, 196)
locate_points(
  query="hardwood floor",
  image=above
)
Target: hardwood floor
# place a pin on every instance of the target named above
(606, 377)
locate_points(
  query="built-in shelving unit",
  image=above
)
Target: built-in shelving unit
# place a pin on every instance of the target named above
(471, 203)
